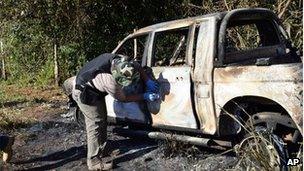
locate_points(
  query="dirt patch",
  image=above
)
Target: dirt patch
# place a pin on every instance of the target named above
(21, 106)
(60, 144)
(47, 141)
(46, 94)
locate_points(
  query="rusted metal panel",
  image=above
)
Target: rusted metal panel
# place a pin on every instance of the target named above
(150, 50)
(175, 24)
(174, 108)
(189, 48)
(281, 83)
(205, 142)
(202, 76)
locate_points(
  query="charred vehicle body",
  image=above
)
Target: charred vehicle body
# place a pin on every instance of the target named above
(216, 72)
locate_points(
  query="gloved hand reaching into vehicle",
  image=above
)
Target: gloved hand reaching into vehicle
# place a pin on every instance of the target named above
(152, 86)
(151, 96)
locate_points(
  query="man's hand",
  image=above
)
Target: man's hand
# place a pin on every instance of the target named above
(151, 96)
(152, 86)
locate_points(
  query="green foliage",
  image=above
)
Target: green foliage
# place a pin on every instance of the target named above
(27, 52)
(81, 30)
(73, 57)
(46, 74)
(289, 11)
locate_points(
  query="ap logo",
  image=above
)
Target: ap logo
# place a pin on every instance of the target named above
(293, 162)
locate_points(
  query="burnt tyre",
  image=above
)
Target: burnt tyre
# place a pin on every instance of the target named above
(267, 140)
(261, 149)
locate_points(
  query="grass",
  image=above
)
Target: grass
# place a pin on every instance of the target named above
(175, 148)
(259, 148)
(21, 106)
(198, 158)
(257, 151)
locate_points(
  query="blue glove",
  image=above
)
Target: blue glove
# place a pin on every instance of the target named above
(151, 96)
(152, 86)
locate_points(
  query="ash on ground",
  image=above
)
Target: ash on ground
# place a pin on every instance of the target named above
(59, 143)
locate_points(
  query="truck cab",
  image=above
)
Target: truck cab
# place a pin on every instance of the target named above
(213, 64)
(218, 73)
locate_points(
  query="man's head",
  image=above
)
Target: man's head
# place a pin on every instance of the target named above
(123, 70)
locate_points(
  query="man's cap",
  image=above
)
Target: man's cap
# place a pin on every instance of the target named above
(123, 70)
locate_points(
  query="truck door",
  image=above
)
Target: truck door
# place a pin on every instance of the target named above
(171, 68)
(203, 75)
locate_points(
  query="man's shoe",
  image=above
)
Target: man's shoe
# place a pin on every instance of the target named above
(7, 151)
(98, 164)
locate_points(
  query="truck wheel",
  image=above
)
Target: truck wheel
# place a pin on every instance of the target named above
(261, 149)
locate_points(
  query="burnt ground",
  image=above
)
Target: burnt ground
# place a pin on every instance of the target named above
(60, 144)
(53, 142)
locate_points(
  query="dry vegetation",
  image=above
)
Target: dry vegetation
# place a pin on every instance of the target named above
(24, 105)
(257, 151)
(260, 149)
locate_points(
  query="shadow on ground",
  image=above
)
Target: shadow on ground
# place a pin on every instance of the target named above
(58, 159)
(129, 149)
(60, 144)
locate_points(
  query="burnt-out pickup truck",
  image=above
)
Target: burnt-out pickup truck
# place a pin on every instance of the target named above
(219, 75)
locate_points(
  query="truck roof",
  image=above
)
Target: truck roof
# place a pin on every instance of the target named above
(187, 21)
(179, 22)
